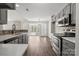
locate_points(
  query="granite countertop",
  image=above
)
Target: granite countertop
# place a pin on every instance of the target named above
(8, 36)
(12, 49)
(71, 39)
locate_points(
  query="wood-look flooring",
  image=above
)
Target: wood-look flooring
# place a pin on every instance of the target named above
(39, 46)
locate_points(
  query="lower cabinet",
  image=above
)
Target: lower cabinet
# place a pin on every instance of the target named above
(20, 39)
(68, 48)
(23, 39)
(62, 47)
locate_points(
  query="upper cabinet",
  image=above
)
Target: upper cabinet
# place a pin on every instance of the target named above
(68, 13)
(67, 9)
(3, 11)
(3, 16)
(73, 13)
(10, 6)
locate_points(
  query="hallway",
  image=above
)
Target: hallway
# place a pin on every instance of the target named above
(39, 46)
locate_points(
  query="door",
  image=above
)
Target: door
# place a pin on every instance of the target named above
(34, 29)
(39, 29)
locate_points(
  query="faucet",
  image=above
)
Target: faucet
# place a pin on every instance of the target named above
(13, 29)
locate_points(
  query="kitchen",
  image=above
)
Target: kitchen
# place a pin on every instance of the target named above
(22, 24)
(64, 25)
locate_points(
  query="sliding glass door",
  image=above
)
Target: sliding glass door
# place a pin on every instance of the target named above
(34, 29)
(40, 29)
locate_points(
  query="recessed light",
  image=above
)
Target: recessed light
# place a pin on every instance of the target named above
(17, 5)
(27, 9)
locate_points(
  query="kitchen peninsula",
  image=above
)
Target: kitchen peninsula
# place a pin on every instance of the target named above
(13, 49)
(14, 38)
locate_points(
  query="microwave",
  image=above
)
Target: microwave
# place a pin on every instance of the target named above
(64, 21)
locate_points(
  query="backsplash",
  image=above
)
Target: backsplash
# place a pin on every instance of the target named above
(4, 32)
(69, 29)
(65, 29)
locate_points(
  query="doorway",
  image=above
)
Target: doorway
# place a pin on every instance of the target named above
(34, 29)
(38, 29)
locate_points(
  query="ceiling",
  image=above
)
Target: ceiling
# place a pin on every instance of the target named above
(35, 11)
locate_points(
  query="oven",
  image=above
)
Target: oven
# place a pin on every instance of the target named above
(64, 21)
(57, 45)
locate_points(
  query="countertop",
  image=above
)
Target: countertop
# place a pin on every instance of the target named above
(8, 36)
(71, 39)
(12, 49)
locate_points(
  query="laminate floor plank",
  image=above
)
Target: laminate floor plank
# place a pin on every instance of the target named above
(39, 46)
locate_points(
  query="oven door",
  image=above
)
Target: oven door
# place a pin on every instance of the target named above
(57, 45)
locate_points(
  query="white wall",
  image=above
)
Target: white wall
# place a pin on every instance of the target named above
(44, 29)
(20, 24)
(24, 25)
(49, 28)
(8, 26)
(77, 30)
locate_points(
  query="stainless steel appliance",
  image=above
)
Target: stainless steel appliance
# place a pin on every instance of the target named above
(56, 44)
(65, 21)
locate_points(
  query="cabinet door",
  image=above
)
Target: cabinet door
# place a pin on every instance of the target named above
(24, 38)
(73, 12)
(67, 9)
(7, 6)
(68, 48)
(20, 40)
(3, 16)
(11, 6)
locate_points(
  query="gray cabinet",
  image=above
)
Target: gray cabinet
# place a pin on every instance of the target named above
(19, 39)
(73, 12)
(7, 6)
(67, 9)
(23, 39)
(3, 16)
(69, 12)
(3, 11)
(68, 48)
